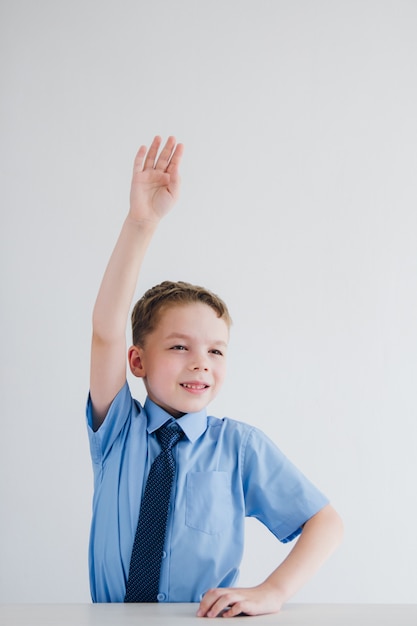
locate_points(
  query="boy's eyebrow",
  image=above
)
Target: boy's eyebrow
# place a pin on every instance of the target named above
(216, 342)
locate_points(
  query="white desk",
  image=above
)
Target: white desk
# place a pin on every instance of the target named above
(184, 615)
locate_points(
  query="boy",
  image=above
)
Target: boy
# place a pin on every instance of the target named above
(223, 469)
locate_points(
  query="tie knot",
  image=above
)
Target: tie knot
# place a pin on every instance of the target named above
(169, 435)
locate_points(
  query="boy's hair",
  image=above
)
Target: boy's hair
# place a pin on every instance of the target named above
(147, 310)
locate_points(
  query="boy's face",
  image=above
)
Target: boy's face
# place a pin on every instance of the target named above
(183, 363)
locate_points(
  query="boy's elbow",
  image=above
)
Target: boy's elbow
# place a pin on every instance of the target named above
(333, 523)
(328, 523)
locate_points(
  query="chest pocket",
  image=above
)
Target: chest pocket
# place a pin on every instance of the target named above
(209, 501)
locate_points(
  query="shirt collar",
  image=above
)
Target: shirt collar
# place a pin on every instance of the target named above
(193, 424)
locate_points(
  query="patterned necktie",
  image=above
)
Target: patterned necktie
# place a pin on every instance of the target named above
(145, 562)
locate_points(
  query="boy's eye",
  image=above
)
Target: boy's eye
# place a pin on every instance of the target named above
(179, 347)
(217, 352)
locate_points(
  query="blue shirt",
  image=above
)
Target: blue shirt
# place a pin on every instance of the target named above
(226, 470)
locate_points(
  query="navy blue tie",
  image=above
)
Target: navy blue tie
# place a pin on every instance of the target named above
(145, 563)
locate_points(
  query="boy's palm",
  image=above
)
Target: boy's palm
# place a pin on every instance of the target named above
(156, 181)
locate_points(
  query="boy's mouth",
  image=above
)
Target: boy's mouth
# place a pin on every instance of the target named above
(194, 386)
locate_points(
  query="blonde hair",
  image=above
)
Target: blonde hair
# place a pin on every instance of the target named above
(147, 310)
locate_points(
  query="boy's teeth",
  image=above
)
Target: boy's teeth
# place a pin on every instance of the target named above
(193, 386)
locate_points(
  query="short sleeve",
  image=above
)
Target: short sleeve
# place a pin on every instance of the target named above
(276, 492)
(121, 410)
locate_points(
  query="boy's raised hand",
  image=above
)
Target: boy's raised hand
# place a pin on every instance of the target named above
(156, 181)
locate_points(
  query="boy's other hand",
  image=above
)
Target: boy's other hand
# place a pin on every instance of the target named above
(156, 181)
(230, 601)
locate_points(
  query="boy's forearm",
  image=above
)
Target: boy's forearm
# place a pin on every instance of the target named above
(116, 292)
(320, 537)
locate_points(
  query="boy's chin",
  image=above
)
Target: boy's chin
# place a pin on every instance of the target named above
(182, 408)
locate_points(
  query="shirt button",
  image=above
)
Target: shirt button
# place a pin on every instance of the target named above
(164, 555)
(161, 597)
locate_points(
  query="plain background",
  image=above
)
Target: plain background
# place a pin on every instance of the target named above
(298, 207)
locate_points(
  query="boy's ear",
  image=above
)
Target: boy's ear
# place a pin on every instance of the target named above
(135, 358)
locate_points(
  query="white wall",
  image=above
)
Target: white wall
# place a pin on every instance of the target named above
(298, 207)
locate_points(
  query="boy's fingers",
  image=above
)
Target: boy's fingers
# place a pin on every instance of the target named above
(176, 158)
(236, 609)
(166, 154)
(214, 602)
(138, 162)
(168, 160)
(152, 153)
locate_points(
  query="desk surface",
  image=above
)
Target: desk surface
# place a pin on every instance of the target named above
(184, 614)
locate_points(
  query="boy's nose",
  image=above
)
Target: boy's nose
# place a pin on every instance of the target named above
(199, 363)
(200, 367)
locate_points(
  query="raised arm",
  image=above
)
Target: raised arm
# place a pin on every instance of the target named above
(155, 189)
